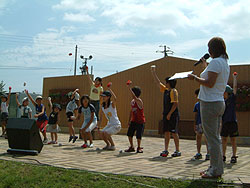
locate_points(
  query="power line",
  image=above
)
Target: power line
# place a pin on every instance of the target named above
(32, 68)
(19, 38)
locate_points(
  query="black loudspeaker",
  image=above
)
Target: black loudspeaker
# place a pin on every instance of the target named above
(23, 134)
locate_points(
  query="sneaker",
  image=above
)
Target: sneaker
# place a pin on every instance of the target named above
(164, 153)
(130, 149)
(91, 145)
(224, 158)
(106, 147)
(70, 138)
(112, 148)
(51, 142)
(207, 157)
(234, 159)
(84, 146)
(45, 141)
(197, 157)
(75, 138)
(176, 154)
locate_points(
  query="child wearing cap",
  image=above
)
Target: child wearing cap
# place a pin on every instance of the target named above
(114, 125)
(198, 129)
(229, 120)
(136, 119)
(71, 109)
(4, 111)
(53, 126)
(89, 122)
(170, 113)
(24, 108)
(42, 119)
(96, 90)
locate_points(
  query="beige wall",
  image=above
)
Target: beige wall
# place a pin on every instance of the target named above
(141, 76)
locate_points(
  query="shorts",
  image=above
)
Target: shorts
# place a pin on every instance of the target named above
(42, 125)
(91, 126)
(229, 129)
(139, 128)
(198, 129)
(4, 117)
(69, 114)
(53, 128)
(112, 129)
(170, 125)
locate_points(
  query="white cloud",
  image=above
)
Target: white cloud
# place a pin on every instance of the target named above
(80, 17)
(229, 19)
(78, 5)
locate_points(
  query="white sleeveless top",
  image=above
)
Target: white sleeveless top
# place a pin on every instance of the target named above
(111, 115)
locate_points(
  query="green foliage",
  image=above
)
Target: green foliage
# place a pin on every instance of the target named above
(17, 174)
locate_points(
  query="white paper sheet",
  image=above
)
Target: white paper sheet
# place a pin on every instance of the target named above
(181, 75)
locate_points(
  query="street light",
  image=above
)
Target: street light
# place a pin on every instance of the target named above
(84, 66)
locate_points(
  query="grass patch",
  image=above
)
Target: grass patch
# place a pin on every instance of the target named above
(18, 174)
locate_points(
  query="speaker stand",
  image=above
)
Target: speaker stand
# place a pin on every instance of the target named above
(22, 151)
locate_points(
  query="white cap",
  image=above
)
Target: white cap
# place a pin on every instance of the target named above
(25, 99)
(39, 97)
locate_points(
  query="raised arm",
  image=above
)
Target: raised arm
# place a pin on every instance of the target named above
(17, 102)
(114, 97)
(8, 100)
(73, 94)
(50, 103)
(156, 79)
(31, 99)
(90, 80)
(235, 84)
(137, 100)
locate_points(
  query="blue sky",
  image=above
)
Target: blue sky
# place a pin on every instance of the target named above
(37, 36)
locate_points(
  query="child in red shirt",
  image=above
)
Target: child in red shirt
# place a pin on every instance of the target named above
(136, 119)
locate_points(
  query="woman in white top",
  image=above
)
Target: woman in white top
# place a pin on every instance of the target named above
(114, 125)
(213, 81)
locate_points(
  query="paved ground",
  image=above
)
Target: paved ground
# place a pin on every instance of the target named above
(147, 164)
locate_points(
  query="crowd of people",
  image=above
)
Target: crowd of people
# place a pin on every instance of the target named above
(214, 112)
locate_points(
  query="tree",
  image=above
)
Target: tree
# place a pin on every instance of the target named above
(2, 85)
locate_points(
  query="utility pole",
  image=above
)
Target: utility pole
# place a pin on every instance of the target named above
(75, 60)
(166, 51)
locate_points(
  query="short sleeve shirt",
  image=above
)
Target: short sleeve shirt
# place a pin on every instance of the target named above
(230, 114)
(71, 106)
(169, 97)
(25, 110)
(197, 109)
(87, 112)
(173, 93)
(95, 92)
(220, 66)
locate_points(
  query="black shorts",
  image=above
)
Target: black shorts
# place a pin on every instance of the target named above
(4, 117)
(229, 129)
(69, 114)
(170, 125)
(139, 128)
